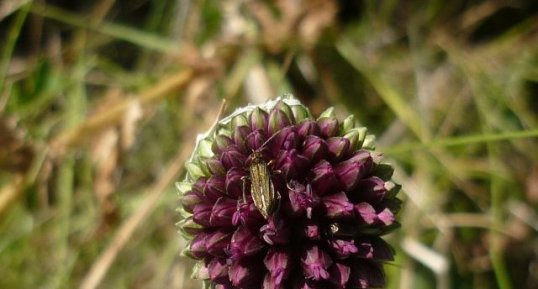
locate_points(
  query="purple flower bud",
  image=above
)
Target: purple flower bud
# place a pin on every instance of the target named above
(201, 214)
(343, 248)
(337, 205)
(324, 178)
(189, 200)
(218, 243)
(333, 202)
(214, 188)
(286, 139)
(234, 182)
(311, 231)
(302, 200)
(240, 135)
(315, 263)
(350, 172)
(218, 270)
(215, 167)
(190, 227)
(340, 275)
(243, 275)
(244, 243)
(255, 139)
(374, 248)
(247, 214)
(258, 119)
(232, 157)
(198, 187)
(371, 190)
(277, 121)
(198, 248)
(386, 217)
(366, 275)
(275, 231)
(224, 285)
(307, 128)
(269, 282)
(286, 109)
(222, 212)
(220, 144)
(277, 263)
(291, 163)
(314, 148)
(369, 215)
(328, 127)
(338, 147)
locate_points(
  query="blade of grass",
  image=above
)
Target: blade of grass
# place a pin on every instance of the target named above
(137, 37)
(459, 141)
(13, 35)
(390, 96)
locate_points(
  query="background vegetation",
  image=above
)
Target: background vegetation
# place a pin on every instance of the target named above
(100, 102)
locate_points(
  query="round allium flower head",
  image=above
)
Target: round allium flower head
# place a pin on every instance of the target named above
(274, 198)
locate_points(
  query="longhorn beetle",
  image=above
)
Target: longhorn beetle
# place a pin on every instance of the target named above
(261, 186)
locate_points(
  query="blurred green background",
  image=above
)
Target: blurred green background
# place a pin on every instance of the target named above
(100, 102)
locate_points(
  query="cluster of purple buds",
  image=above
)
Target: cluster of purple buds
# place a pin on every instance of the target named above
(274, 198)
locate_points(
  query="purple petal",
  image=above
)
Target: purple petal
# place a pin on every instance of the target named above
(234, 182)
(189, 200)
(367, 212)
(240, 135)
(215, 167)
(314, 148)
(270, 282)
(218, 270)
(214, 188)
(369, 215)
(258, 119)
(243, 274)
(232, 157)
(247, 214)
(222, 212)
(324, 180)
(277, 121)
(311, 231)
(366, 275)
(340, 274)
(308, 127)
(338, 147)
(328, 127)
(198, 246)
(256, 139)
(343, 248)
(202, 213)
(302, 200)
(371, 190)
(198, 187)
(291, 163)
(244, 243)
(286, 139)
(315, 263)
(350, 172)
(275, 231)
(386, 217)
(337, 205)
(225, 284)
(220, 144)
(218, 243)
(277, 263)
(374, 248)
